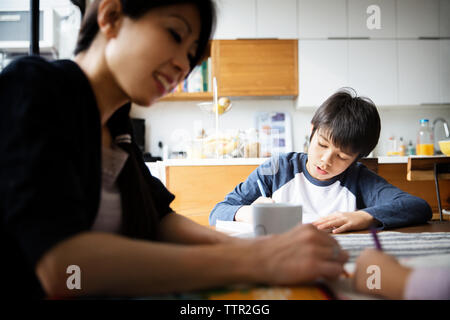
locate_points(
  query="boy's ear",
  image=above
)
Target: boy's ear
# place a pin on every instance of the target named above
(109, 17)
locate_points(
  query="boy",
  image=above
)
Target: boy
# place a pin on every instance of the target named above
(336, 192)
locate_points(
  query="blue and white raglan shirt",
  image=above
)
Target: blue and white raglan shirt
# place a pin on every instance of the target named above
(285, 179)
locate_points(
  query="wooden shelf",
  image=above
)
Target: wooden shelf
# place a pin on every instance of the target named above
(188, 96)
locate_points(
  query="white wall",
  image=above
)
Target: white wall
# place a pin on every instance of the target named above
(163, 118)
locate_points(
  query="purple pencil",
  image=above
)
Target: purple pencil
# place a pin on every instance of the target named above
(375, 238)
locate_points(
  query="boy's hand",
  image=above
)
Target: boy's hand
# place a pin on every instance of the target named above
(263, 200)
(244, 214)
(345, 221)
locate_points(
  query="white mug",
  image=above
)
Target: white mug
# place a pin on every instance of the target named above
(270, 218)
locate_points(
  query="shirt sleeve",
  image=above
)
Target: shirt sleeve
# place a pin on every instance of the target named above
(388, 204)
(37, 177)
(428, 284)
(243, 194)
(161, 196)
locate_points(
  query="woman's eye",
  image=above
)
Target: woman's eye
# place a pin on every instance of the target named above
(175, 35)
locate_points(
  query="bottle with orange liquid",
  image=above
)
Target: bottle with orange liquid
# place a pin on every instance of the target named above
(425, 141)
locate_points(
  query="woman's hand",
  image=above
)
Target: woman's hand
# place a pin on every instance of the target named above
(393, 275)
(301, 255)
(345, 221)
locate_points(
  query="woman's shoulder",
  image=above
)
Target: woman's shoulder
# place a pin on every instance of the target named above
(38, 72)
(28, 67)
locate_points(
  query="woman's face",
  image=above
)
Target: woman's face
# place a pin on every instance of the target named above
(149, 56)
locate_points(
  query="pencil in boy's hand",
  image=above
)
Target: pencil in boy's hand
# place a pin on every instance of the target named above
(261, 189)
(375, 238)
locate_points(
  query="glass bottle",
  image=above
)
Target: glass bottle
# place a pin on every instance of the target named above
(425, 143)
(306, 144)
(401, 148)
(410, 150)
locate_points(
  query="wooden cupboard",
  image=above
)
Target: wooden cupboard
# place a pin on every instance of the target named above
(259, 67)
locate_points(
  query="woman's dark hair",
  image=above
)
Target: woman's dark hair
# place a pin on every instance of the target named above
(134, 9)
(352, 123)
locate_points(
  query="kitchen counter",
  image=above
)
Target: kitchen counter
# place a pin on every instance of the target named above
(199, 184)
(158, 168)
(214, 162)
(400, 159)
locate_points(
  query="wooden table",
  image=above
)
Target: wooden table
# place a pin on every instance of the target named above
(309, 292)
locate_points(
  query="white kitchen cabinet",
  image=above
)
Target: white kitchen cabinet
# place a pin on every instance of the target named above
(445, 71)
(372, 69)
(276, 19)
(359, 20)
(322, 70)
(444, 18)
(417, 18)
(322, 19)
(418, 72)
(235, 19)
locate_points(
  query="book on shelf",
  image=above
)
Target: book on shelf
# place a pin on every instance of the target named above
(199, 80)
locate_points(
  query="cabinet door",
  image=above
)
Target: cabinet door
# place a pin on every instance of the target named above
(212, 184)
(360, 21)
(418, 67)
(322, 19)
(322, 70)
(276, 19)
(417, 18)
(444, 19)
(256, 67)
(235, 19)
(445, 70)
(373, 70)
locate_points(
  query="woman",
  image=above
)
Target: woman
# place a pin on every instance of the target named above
(77, 191)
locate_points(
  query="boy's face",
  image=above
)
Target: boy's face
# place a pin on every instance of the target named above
(325, 160)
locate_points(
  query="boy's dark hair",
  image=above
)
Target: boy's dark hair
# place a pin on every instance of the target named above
(352, 123)
(135, 9)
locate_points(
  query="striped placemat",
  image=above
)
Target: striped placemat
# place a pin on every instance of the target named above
(398, 244)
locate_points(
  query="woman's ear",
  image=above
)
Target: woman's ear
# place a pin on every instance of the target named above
(109, 17)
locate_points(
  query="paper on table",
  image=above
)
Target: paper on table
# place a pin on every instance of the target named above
(235, 228)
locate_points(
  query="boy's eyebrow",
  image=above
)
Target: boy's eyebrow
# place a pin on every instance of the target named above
(184, 20)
